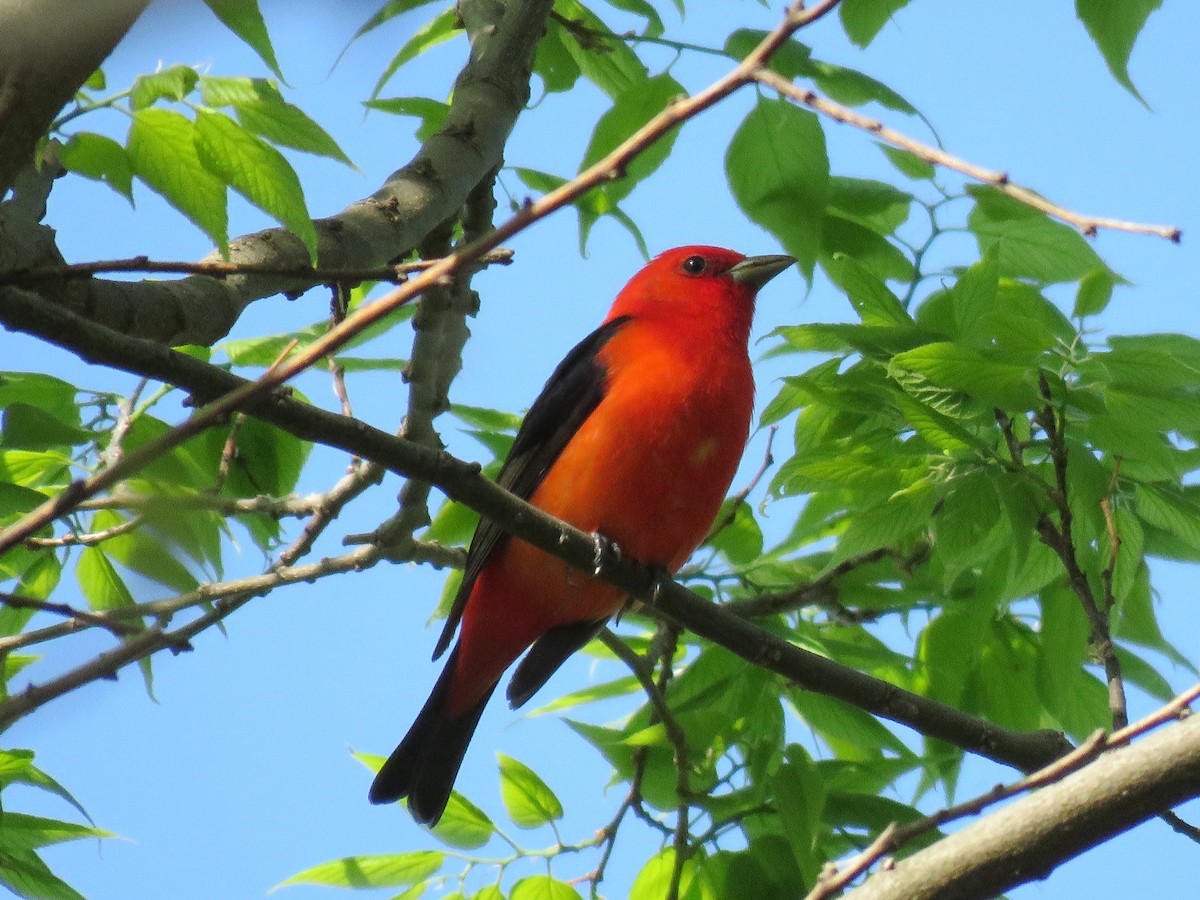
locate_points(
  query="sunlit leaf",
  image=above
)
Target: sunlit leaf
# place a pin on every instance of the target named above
(528, 799)
(778, 171)
(1115, 28)
(163, 152)
(244, 19)
(380, 870)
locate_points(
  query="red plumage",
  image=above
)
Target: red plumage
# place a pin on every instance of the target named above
(636, 437)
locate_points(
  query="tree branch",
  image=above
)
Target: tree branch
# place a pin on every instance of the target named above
(1088, 225)
(1031, 837)
(47, 50)
(489, 94)
(461, 481)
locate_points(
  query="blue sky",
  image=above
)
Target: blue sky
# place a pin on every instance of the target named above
(241, 775)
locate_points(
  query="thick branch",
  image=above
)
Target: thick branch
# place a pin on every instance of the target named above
(489, 93)
(1028, 839)
(47, 50)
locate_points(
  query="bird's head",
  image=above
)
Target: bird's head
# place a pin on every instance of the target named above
(701, 285)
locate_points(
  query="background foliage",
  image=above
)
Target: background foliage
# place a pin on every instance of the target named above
(968, 478)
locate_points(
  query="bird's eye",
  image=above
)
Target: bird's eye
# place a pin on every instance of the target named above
(695, 265)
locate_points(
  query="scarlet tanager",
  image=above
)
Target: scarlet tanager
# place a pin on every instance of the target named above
(636, 438)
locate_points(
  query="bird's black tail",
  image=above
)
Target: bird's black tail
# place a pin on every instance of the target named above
(423, 767)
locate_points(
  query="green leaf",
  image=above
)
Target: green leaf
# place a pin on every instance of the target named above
(654, 879)
(262, 110)
(266, 459)
(874, 204)
(974, 295)
(618, 687)
(440, 28)
(643, 8)
(740, 537)
(453, 524)
(100, 158)
(432, 113)
(553, 61)
(908, 164)
(257, 171)
(372, 364)
(388, 11)
(940, 431)
(792, 59)
(1169, 508)
(16, 766)
(24, 873)
(863, 19)
(614, 67)
(1095, 290)
(1006, 687)
(51, 394)
(263, 351)
(1115, 28)
(1145, 676)
(632, 109)
(989, 379)
(244, 18)
(16, 500)
(24, 832)
(543, 887)
(374, 871)
(778, 171)
(852, 88)
(33, 428)
(486, 419)
(885, 261)
(888, 524)
(102, 587)
(528, 799)
(140, 551)
(850, 732)
(463, 824)
(174, 83)
(1027, 242)
(162, 149)
(31, 469)
(799, 796)
(874, 303)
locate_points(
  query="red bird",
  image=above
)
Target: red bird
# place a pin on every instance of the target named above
(636, 438)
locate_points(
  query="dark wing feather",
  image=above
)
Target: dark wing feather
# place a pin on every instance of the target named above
(569, 397)
(549, 652)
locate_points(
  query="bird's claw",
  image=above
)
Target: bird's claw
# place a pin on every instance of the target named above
(606, 553)
(661, 578)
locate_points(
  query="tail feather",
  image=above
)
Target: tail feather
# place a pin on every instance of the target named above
(424, 765)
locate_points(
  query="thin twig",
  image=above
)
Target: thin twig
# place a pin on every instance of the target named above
(222, 600)
(1088, 225)
(1061, 540)
(75, 616)
(392, 274)
(88, 539)
(112, 453)
(163, 610)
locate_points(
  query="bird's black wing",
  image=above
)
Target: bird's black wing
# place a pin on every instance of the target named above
(569, 397)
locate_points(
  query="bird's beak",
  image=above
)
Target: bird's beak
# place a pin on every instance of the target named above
(755, 271)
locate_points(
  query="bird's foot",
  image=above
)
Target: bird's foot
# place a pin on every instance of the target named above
(661, 578)
(606, 553)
